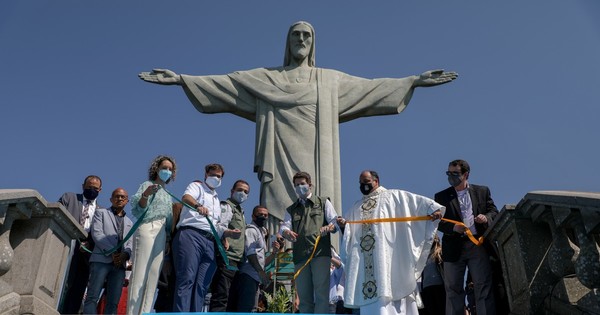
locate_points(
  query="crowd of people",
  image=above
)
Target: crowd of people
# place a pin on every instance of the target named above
(198, 244)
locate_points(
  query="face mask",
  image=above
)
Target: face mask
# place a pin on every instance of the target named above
(365, 189)
(260, 221)
(213, 181)
(164, 175)
(239, 196)
(454, 180)
(302, 191)
(90, 193)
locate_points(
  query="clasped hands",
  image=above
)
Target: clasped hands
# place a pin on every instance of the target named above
(119, 259)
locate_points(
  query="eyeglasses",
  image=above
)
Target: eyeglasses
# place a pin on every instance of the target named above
(453, 173)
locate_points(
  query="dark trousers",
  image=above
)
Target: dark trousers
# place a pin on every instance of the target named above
(477, 259)
(220, 287)
(77, 279)
(195, 265)
(245, 288)
(434, 299)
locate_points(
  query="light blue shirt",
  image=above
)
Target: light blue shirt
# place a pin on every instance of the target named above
(160, 206)
(466, 209)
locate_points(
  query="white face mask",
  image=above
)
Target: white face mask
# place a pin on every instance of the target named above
(302, 191)
(239, 196)
(213, 182)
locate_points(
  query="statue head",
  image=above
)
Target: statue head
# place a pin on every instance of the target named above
(289, 48)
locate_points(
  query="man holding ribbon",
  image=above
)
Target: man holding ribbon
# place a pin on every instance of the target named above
(472, 205)
(308, 222)
(195, 240)
(384, 257)
(152, 206)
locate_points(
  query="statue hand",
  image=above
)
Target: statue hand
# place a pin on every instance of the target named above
(434, 77)
(161, 76)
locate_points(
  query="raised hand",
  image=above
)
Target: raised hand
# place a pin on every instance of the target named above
(434, 77)
(161, 76)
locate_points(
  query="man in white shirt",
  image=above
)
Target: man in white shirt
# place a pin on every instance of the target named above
(194, 243)
(472, 205)
(384, 260)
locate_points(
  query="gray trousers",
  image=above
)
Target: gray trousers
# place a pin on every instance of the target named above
(312, 285)
(478, 261)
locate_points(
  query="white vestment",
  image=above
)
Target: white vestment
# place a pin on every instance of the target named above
(384, 260)
(297, 121)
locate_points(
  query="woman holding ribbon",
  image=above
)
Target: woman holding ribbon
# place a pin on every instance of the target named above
(152, 206)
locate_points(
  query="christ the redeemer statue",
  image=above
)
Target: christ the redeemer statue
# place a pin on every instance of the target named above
(297, 109)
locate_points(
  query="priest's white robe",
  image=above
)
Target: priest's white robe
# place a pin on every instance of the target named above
(398, 250)
(297, 123)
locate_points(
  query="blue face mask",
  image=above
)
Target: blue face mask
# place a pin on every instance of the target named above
(302, 191)
(164, 175)
(239, 196)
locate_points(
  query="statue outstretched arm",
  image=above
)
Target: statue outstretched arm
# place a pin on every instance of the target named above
(161, 76)
(434, 77)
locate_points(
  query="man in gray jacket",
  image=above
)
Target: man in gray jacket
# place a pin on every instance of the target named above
(107, 263)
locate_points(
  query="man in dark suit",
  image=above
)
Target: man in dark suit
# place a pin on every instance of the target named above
(472, 205)
(109, 228)
(81, 207)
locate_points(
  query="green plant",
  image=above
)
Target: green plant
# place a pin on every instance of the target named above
(281, 302)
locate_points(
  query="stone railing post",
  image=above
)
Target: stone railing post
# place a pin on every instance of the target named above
(35, 239)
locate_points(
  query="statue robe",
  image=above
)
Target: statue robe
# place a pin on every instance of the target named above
(297, 122)
(387, 262)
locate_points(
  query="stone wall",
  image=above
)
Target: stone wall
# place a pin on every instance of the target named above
(35, 239)
(549, 247)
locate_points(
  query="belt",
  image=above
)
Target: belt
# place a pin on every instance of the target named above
(204, 233)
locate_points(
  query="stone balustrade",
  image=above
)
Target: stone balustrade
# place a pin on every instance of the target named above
(35, 240)
(549, 246)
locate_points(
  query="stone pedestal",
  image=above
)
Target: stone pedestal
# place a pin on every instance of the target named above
(548, 247)
(35, 239)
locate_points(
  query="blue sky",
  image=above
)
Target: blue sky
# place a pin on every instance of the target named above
(524, 111)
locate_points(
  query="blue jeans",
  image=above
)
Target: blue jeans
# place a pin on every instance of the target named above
(114, 277)
(195, 265)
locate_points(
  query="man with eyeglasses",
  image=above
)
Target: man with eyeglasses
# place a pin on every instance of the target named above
(472, 205)
(109, 228)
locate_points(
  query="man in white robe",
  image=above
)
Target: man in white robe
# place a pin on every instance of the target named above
(384, 260)
(297, 109)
